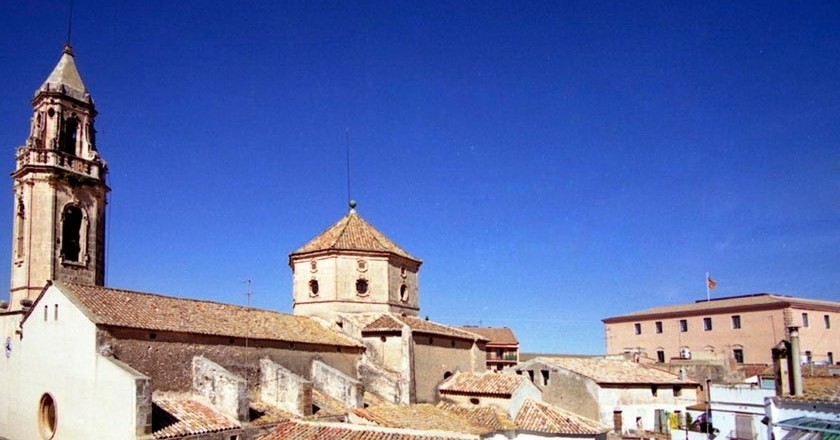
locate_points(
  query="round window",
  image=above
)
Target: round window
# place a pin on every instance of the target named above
(361, 286)
(47, 417)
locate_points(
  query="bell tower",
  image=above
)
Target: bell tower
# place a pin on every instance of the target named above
(60, 191)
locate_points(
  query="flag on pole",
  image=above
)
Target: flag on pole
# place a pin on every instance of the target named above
(710, 283)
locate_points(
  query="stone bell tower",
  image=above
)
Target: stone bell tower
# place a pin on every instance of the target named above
(59, 190)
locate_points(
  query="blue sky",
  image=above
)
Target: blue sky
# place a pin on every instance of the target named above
(553, 164)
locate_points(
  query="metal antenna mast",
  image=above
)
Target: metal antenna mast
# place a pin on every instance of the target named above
(70, 21)
(347, 148)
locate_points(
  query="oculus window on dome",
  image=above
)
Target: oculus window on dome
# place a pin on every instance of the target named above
(362, 287)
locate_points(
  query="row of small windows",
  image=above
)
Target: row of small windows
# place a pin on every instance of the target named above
(826, 321)
(361, 266)
(685, 353)
(734, 320)
(362, 287)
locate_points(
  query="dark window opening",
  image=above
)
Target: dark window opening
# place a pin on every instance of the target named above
(830, 357)
(46, 312)
(660, 356)
(677, 391)
(808, 356)
(707, 324)
(474, 400)
(152, 335)
(531, 375)
(447, 375)
(69, 136)
(313, 287)
(658, 326)
(637, 327)
(361, 286)
(804, 320)
(545, 376)
(654, 390)
(71, 234)
(55, 311)
(683, 325)
(404, 293)
(47, 417)
(738, 354)
(736, 322)
(827, 320)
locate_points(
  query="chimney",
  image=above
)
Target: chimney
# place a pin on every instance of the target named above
(795, 366)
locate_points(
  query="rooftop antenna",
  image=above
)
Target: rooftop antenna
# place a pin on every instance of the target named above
(347, 149)
(70, 22)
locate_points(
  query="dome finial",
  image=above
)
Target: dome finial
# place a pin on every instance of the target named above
(352, 204)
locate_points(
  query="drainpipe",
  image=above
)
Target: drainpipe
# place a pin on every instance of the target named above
(795, 366)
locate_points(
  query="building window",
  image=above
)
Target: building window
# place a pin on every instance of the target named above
(683, 325)
(804, 320)
(827, 320)
(313, 266)
(361, 265)
(736, 322)
(808, 356)
(403, 293)
(474, 400)
(738, 354)
(658, 326)
(55, 311)
(660, 356)
(654, 390)
(71, 234)
(637, 327)
(830, 357)
(313, 288)
(46, 312)
(47, 417)
(677, 391)
(707, 324)
(362, 286)
(531, 375)
(70, 134)
(544, 377)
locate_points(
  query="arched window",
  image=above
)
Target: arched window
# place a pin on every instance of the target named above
(362, 287)
(403, 293)
(71, 234)
(313, 288)
(69, 136)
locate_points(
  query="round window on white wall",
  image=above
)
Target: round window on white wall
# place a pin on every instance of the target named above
(47, 417)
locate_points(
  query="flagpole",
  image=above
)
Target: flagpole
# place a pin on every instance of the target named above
(708, 297)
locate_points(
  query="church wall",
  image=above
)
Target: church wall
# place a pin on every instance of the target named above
(57, 357)
(435, 356)
(167, 358)
(402, 271)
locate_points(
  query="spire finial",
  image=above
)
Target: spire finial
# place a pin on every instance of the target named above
(352, 204)
(68, 49)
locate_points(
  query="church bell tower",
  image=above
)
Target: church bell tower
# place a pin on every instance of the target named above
(60, 191)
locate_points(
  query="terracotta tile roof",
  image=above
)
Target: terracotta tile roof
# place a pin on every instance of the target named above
(124, 308)
(328, 407)
(819, 389)
(750, 370)
(299, 430)
(760, 300)
(490, 417)
(190, 417)
(486, 383)
(541, 417)
(392, 322)
(612, 371)
(353, 233)
(266, 414)
(495, 335)
(423, 417)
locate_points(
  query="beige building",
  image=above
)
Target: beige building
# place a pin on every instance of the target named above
(502, 346)
(625, 395)
(742, 328)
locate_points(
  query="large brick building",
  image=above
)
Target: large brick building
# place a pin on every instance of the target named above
(741, 328)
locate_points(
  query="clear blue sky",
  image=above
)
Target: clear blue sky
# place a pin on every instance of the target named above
(551, 163)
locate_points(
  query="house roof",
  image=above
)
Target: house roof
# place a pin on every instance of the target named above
(299, 430)
(725, 305)
(819, 389)
(486, 383)
(352, 233)
(389, 322)
(129, 309)
(495, 335)
(541, 417)
(423, 417)
(612, 371)
(490, 417)
(66, 75)
(190, 417)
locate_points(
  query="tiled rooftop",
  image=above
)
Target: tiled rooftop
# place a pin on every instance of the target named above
(352, 233)
(541, 417)
(329, 408)
(613, 371)
(297, 430)
(190, 417)
(757, 300)
(422, 417)
(495, 335)
(486, 383)
(391, 322)
(489, 417)
(124, 308)
(820, 389)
